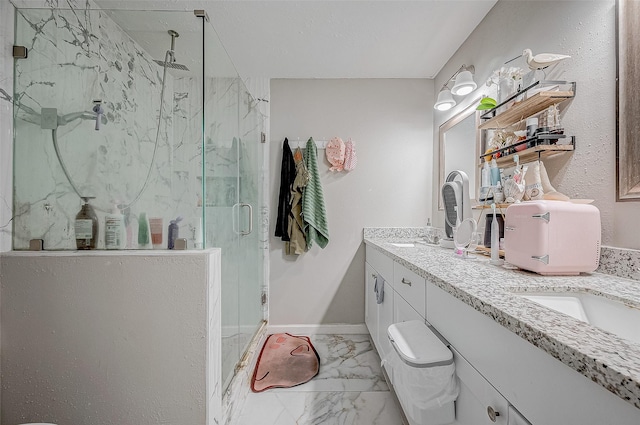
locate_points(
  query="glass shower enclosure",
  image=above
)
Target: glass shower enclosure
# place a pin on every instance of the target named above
(144, 114)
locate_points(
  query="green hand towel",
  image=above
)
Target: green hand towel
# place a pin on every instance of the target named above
(314, 214)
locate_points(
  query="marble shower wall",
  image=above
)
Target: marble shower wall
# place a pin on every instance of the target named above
(76, 56)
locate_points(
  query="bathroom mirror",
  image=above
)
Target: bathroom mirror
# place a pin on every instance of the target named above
(460, 150)
(628, 110)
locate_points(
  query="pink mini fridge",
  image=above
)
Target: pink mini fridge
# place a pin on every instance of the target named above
(552, 237)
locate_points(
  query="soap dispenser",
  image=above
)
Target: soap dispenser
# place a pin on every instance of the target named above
(86, 226)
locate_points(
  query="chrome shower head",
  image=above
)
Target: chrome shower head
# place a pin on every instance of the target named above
(171, 65)
(170, 58)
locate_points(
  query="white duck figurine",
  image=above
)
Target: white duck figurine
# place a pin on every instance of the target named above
(542, 60)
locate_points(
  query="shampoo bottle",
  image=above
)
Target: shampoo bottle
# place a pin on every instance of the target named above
(114, 236)
(86, 226)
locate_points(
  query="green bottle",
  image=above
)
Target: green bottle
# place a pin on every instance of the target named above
(143, 231)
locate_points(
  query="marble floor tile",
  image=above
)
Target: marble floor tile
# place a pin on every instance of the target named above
(320, 408)
(349, 390)
(347, 363)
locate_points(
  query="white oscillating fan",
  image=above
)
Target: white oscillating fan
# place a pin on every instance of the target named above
(457, 203)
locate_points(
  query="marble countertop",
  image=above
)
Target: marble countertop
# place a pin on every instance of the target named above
(606, 359)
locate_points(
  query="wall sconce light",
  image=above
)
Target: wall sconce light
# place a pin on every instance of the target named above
(445, 100)
(462, 86)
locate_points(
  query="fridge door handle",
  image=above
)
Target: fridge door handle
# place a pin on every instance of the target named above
(541, 258)
(544, 216)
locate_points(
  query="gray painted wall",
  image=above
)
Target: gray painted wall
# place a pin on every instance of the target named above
(99, 338)
(391, 122)
(586, 31)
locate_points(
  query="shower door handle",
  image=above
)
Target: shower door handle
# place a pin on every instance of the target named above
(245, 233)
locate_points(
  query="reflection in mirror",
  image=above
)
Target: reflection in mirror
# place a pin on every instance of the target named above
(459, 149)
(628, 145)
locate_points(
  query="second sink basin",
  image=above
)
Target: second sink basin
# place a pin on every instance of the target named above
(607, 314)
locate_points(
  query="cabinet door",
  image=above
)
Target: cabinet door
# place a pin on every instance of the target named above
(370, 306)
(385, 319)
(477, 397)
(403, 312)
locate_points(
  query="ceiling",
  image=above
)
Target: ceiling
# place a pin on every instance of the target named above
(332, 39)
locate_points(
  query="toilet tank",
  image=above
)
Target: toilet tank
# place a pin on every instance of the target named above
(552, 237)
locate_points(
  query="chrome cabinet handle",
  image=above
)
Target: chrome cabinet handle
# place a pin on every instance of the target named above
(492, 414)
(245, 233)
(406, 282)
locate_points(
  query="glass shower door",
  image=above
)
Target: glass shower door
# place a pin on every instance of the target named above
(250, 271)
(231, 175)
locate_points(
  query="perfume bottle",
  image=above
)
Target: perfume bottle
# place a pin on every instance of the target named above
(86, 226)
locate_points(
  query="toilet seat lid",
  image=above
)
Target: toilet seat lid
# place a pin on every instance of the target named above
(417, 345)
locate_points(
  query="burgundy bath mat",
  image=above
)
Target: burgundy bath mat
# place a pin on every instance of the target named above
(285, 361)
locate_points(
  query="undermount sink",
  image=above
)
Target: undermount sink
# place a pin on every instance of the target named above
(607, 314)
(403, 245)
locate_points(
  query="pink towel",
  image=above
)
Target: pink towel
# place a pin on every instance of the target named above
(350, 158)
(335, 153)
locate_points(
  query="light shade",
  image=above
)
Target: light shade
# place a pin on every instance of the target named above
(464, 84)
(445, 100)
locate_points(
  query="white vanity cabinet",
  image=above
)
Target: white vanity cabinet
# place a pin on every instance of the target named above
(504, 378)
(541, 388)
(406, 297)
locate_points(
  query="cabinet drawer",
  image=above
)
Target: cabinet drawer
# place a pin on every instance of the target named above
(381, 263)
(410, 286)
(477, 396)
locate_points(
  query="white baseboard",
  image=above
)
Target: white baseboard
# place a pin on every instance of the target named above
(338, 328)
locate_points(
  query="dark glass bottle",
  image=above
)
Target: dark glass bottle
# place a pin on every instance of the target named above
(173, 232)
(86, 226)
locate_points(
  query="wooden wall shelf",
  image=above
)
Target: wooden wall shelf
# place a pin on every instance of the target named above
(488, 206)
(528, 107)
(534, 153)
